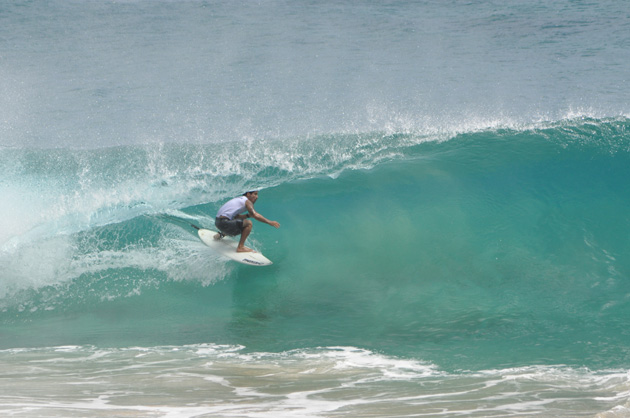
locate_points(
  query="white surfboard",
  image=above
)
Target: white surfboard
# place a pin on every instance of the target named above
(227, 247)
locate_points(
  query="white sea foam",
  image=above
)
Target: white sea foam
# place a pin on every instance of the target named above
(227, 381)
(59, 261)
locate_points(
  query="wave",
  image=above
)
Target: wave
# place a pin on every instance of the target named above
(404, 243)
(73, 190)
(54, 196)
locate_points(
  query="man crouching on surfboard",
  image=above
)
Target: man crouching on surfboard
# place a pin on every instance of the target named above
(230, 220)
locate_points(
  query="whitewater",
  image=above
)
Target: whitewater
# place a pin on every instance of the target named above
(451, 179)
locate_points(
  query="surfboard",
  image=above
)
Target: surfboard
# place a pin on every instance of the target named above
(227, 247)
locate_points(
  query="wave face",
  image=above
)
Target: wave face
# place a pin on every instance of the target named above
(495, 248)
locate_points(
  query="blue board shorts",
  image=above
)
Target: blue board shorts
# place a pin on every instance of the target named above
(229, 227)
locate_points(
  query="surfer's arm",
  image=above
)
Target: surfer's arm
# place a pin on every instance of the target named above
(258, 216)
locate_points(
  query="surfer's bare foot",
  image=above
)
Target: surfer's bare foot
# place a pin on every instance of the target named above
(217, 237)
(244, 250)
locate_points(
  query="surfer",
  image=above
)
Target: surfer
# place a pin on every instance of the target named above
(232, 220)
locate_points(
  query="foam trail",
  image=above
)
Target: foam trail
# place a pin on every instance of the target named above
(321, 382)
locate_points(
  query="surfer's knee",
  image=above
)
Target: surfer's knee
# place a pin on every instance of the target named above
(247, 224)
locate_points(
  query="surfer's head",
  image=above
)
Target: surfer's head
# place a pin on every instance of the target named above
(252, 195)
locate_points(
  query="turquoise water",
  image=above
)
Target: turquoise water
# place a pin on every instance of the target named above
(496, 248)
(451, 181)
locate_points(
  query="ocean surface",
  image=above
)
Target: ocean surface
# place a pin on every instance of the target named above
(452, 180)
